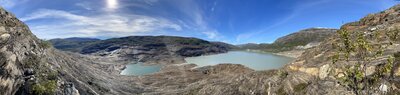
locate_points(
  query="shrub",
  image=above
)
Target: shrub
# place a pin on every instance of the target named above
(281, 91)
(52, 75)
(300, 87)
(45, 88)
(31, 61)
(361, 48)
(45, 44)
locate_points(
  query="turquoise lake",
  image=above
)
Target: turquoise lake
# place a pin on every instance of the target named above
(140, 69)
(253, 60)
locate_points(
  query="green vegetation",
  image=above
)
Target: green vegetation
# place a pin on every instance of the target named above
(45, 88)
(45, 44)
(31, 60)
(47, 82)
(52, 75)
(282, 74)
(281, 91)
(300, 87)
(192, 41)
(358, 49)
(46, 79)
(72, 44)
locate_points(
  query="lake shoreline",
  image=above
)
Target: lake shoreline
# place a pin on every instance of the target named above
(290, 54)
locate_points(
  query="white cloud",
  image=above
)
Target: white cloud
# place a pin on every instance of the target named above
(211, 34)
(110, 25)
(7, 3)
(193, 20)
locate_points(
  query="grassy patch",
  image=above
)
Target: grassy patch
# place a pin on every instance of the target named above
(45, 88)
(282, 74)
(281, 91)
(45, 44)
(300, 87)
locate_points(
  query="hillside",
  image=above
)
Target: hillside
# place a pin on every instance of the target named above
(74, 44)
(371, 66)
(299, 40)
(369, 47)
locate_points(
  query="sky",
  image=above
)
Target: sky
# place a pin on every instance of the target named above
(231, 21)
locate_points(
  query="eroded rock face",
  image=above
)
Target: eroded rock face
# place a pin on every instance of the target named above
(11, 32)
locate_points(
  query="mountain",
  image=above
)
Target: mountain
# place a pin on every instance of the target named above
(78, 39)
(299, 40)
(74, 44)
(148, 49)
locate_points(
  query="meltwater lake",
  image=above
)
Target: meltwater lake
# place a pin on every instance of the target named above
(253, 60)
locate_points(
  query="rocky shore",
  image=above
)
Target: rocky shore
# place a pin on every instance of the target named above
(291, 53)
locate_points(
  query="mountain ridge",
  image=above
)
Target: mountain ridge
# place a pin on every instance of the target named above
(148, 49)
(292, 41)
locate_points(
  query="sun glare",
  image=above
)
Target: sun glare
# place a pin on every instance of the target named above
(112, 4)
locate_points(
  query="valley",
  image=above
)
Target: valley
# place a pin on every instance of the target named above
(316, 61)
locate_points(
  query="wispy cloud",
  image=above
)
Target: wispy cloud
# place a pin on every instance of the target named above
(212, 34)
(197, 20)
(150, 2)
(11, 3)
(85, 5)
(7, 3)
(99, 25)
(214, 5)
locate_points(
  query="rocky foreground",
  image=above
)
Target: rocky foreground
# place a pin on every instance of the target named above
(31, 66)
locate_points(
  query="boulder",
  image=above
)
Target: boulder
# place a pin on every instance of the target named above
(29, 72)
(324, 71)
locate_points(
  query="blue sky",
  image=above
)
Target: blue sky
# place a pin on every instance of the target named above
(232, 21)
